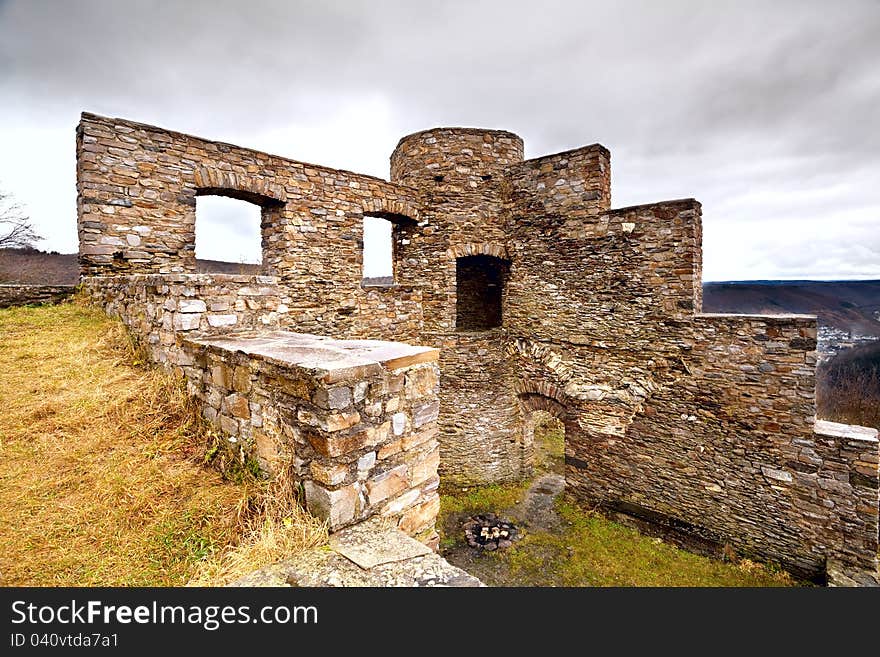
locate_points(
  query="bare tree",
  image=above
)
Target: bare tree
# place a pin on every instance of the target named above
(16, 229)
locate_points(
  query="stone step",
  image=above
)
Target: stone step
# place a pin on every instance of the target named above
(371, 553)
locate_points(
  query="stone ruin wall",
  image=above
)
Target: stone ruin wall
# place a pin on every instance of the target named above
(162, 310)
(137, 187)
(361, 440)
(700, 422)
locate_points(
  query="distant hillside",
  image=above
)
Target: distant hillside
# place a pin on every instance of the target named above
(220, 267)
(31, 266)
(380, 281)
(851, 306)
(848, 387)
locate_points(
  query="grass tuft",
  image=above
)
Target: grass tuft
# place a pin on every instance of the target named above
(278, 528)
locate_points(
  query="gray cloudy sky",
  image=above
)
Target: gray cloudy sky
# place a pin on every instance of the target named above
(766, 112)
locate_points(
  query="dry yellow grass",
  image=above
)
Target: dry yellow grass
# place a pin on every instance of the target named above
(280, 528)
(100, 468)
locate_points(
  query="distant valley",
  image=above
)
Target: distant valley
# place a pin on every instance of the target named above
(848, 311)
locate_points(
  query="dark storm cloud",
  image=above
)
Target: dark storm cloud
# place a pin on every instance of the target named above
(764, 111)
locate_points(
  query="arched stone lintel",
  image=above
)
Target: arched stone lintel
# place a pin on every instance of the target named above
(394, 210)
(494, 249)
(542, 396)
(239, 186)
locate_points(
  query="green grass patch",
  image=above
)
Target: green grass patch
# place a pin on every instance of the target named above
(589, 550)
(594, 551)
(478, 499)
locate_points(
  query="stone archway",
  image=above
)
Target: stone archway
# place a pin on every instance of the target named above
(537, 400)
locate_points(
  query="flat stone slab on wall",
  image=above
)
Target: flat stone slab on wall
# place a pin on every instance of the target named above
(387, 557)
(332, 360)
(28, 295)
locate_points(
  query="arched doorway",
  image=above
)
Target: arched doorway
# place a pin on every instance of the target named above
(544, 421)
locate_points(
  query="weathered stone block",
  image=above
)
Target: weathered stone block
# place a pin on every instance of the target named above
(338, 507)
(236, 405)
(218, 321)
(424, 413)
(420, 382)
(331, 445)
(426, 468)
(191, 306)
(241, 379)
(221, 375)
(386, 484)
(333, 398)
(360, 391)
(400, 503)
(777, 475)
(365, 464)
(187, 321)
(339, 421)
(421, 516)
(327, 473)
(267, 449)
(390, 449)
(229, 425)
(418, 437)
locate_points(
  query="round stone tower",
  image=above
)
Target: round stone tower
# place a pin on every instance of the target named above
(458, 255)
(460, 168)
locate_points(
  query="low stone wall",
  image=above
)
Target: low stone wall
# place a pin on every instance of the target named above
(356, 420)
(849, 475)
(160, 309)
(32, 295)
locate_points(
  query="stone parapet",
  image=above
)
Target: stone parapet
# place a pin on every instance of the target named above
(159, 309)
(355, 420)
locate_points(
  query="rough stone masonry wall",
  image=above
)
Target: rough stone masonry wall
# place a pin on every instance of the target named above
(600, 309)
(361, 439)
(704, 424)
(27, 295)
(729, 452)
(703, 421)
(137, 187)
(162, 309)
(753, 394)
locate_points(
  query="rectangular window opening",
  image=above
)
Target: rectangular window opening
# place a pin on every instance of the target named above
(378, 253)
(479, 292)
(228, 235)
